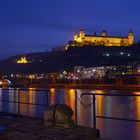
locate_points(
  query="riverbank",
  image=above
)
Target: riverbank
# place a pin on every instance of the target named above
(89, 86)
(14, 127)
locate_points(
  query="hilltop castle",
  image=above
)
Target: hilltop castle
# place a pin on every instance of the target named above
(82, 39)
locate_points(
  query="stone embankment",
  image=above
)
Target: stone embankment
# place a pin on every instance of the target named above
(27, 128)
(89, 86)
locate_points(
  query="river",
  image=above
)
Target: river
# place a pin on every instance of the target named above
(109, 106)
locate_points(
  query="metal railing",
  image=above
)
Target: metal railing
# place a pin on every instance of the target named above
(94, 103)
(18, 98)
(108, 117)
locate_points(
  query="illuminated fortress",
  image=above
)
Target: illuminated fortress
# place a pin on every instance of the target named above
(83, 39)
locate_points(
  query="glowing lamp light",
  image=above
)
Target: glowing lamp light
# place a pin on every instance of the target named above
(64, 72)
(114, 68)
(78, 71)
(85, 72)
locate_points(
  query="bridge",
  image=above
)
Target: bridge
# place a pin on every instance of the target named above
(5, 82)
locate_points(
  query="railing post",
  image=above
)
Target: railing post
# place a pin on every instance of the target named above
(76, 107)
(94, 111)
(18, 92)
(47, 104)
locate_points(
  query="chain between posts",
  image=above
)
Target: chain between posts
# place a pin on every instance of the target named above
(85, 105)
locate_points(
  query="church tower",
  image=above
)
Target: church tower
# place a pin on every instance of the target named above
(76, 37)
(130, 38)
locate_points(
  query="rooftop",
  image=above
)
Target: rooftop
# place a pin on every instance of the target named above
(107, 36)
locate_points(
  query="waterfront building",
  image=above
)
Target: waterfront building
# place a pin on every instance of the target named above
(98, 72)
(90, 72)
(78, 72)
(82, 39)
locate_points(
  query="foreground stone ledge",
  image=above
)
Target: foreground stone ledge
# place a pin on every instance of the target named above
(27, 128)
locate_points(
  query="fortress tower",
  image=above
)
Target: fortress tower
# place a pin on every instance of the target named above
(130, 37)
(82, 39)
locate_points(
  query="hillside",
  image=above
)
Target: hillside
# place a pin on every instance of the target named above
(44, 62)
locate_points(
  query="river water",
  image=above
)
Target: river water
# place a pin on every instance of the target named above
(109, 106)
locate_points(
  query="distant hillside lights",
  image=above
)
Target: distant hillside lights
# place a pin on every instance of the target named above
(82, 39)
(22, 60)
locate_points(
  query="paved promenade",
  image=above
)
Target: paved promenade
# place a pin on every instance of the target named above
(14, 127)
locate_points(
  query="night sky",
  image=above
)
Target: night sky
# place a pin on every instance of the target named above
(39, 25)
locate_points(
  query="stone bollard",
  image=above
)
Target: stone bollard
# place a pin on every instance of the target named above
(59, 115)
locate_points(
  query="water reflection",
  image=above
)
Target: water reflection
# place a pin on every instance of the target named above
(113, 106)
(137, 105)
(23, 99)
(99, 102)
(52, 96)
(127, 107)
(69, 97)
(31, 101)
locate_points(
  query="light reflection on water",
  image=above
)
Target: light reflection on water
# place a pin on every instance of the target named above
(124, 107)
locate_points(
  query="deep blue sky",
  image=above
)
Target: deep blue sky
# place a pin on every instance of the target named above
(39, 25)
